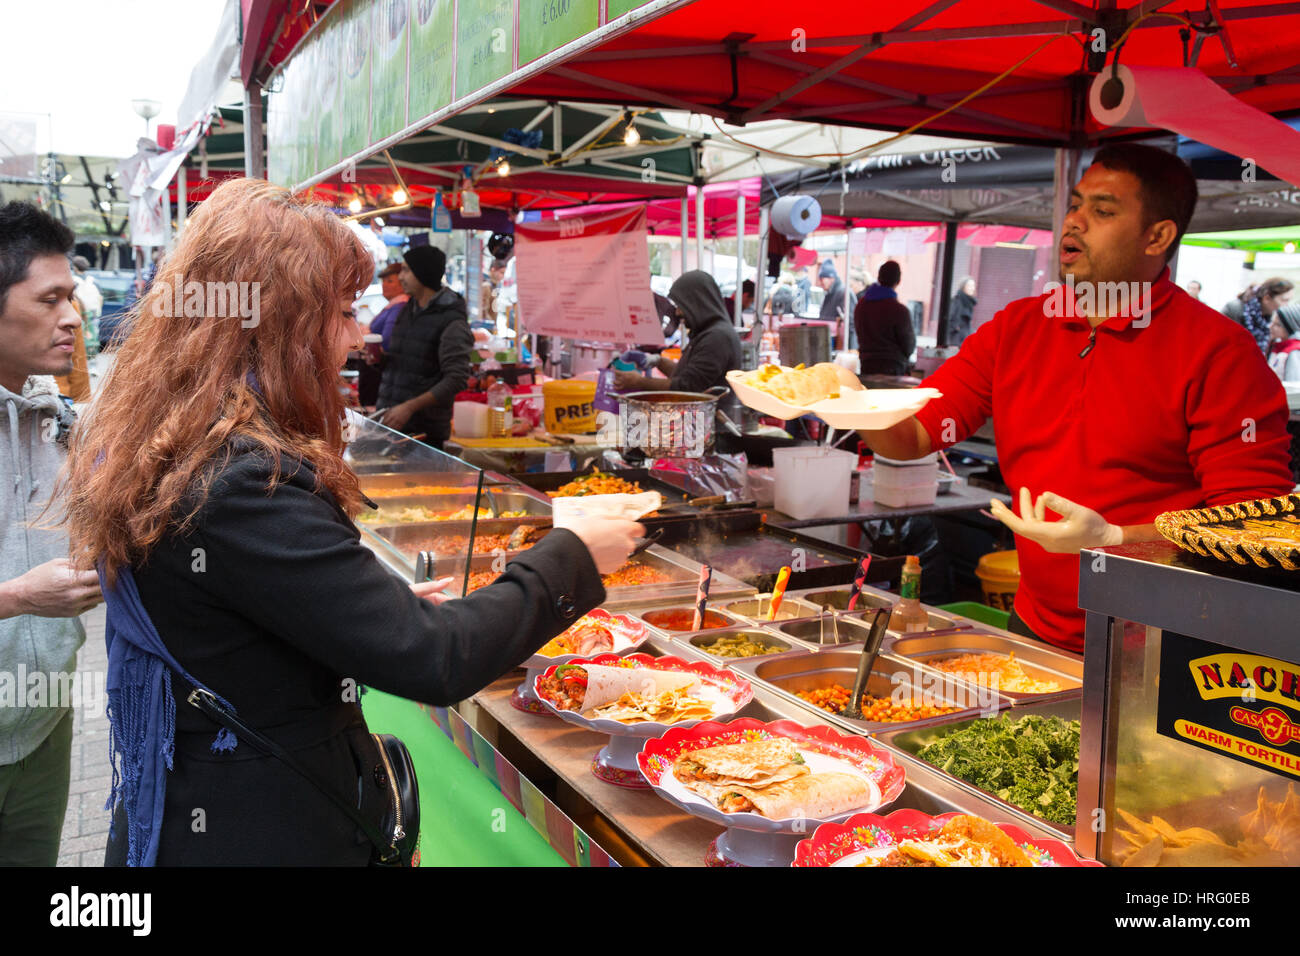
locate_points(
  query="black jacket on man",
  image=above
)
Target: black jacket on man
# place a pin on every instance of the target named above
(428, 352)
(285, 614)
(886, 338)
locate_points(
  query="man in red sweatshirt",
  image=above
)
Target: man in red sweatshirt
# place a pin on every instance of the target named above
(1115, 397)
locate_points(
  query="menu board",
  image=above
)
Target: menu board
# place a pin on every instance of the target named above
(328, 143)
(546, 25)
(355, 89)
(1244, 706)
(587, 277)
(431, 57)
(389, 26)
(373, 68)
(485, 43)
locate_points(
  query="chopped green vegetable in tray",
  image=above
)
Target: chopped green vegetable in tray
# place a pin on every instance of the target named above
(1032, 762)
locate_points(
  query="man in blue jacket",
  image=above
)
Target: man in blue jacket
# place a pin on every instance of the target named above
(40, 594)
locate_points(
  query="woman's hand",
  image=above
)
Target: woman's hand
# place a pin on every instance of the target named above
(431, 591)
(609, 540)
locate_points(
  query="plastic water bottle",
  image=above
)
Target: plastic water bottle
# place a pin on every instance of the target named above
(500, 410)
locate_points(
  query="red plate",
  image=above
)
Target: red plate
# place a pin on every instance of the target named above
(824, 745)
(866, 832)
(629, 634)
(732, 690)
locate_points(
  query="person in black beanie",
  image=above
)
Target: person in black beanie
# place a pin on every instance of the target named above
(428, 361)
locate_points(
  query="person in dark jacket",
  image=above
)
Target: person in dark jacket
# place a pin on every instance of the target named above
(712, 351)
(428, 361)
(829, 280)
(219, 511)
(960, 311)
(886, 338)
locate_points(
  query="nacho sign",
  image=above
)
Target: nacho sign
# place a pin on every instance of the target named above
(1242, 705)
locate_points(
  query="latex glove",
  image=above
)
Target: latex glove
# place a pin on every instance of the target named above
(1078, 528)
(636, 357)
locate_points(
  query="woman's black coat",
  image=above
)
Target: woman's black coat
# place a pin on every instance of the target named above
(272, 601)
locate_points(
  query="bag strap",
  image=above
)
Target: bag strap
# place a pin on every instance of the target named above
(207, 702)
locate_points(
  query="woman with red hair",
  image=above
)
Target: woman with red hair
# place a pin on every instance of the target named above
(208, 487)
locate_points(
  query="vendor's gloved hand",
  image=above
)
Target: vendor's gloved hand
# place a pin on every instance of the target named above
(636, 357)
(628, 381)
(1078, 528)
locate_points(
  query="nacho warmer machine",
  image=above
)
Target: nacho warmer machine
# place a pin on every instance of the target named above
(1191, 710)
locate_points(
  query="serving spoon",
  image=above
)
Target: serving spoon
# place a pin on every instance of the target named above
(870, 651)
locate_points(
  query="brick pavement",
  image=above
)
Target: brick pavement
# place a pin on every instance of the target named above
(85, 827)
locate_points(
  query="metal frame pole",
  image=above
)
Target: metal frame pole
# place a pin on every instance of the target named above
(686, 233)
(740, 258)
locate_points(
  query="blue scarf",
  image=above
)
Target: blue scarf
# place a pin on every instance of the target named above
(141, 716)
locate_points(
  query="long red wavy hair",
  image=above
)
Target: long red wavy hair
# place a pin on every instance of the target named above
(181, 386)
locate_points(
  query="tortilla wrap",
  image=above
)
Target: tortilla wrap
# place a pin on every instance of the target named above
(756, 763)
(813, 796)
(607, 684)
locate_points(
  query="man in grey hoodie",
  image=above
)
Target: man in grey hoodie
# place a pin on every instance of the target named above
(40, 594)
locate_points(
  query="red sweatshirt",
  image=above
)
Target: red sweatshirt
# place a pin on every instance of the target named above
(1183, 413)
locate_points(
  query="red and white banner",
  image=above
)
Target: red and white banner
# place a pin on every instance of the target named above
(588, 277)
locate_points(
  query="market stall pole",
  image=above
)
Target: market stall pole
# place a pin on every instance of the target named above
(740, 258)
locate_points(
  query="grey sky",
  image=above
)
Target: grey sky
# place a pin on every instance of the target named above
(84, 61)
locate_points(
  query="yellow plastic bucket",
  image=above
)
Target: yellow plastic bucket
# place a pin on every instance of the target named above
(999, 574)
(567, 406)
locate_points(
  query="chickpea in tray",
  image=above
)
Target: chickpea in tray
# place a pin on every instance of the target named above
(739, 645)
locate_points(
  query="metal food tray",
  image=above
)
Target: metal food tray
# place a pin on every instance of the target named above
(681, 590)
(734, 621)
(423, 478)
(911, 741)
(1039, 661)
(868, 601)
(788, 674)
(755, 609)
(783, 642)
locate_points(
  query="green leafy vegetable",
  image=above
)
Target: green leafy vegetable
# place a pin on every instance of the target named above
(1032, 762)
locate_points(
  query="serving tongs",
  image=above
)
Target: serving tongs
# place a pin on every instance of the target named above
(870, 651)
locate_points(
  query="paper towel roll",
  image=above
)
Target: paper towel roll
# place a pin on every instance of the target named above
(1188, 102)
(796, 216)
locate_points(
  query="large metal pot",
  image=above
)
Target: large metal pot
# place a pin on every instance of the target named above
(671, 424)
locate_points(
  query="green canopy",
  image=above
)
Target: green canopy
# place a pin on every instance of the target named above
(1273, 239)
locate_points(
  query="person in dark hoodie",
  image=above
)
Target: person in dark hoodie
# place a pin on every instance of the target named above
(428, 359)
(40, 593)
(886, 338)
(712, 351)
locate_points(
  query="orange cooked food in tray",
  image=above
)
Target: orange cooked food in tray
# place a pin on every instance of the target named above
(835, 698)
(597, 483)
(629, 574)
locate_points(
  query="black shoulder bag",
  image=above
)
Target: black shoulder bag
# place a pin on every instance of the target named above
(398, 843)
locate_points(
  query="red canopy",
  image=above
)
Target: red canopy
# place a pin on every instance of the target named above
(891, 65)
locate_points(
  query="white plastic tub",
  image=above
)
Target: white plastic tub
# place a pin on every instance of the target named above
(900, 484)
(812, 482)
